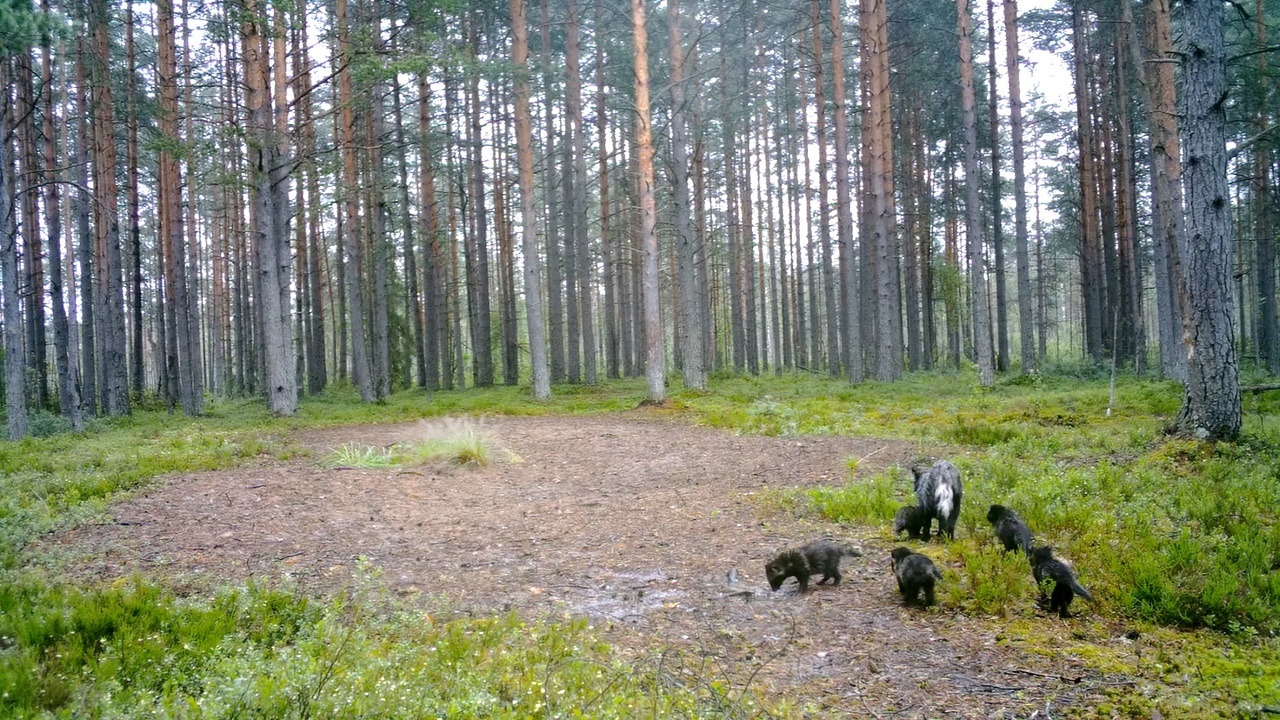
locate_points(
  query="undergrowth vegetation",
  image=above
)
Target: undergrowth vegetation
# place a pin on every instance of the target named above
(1164, 531)
(134, 651)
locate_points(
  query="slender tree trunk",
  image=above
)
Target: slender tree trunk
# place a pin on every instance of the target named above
(270, 184)
(477, 255)
(350, 269)
(997, 215)
(1166, 171)
(1268, 332)
(1091, 260)
(1026, 334)
(655, 368)
(973, 210)
(528, 214)
(135, 227)
(824, 226)
(693, 367)
(434, 276)
(317, 373)
(607, 253)
(68, 393)
(110, 296)
(179, 360)
(80, 204)
(32, 266)
(14, 350)
(1211, 407)
(849, 316)
(380, 246)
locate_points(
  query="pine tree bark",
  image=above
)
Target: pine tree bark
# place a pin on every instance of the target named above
(973, 209)
(1166, 171)
(528, 214)
(360, 369)
(849, 323)
(1091, 255)
(997, 209)
(1026, 323)
(1211, 405)
(31, 267)
(81, 201)
(271, 217)
(609, 269)
(14, 349)
(655, 367)
(317, 372)
(1267, 330)
(477, 251)
(434, 338)
(68, 393)
(824, 226)
(693, 368)
(109, 295)
(136, 372)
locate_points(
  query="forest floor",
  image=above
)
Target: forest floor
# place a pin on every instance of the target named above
(655, 530)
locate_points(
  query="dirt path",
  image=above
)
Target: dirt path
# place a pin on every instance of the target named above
(630, 520)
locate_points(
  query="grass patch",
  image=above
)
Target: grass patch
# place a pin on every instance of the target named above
(350, 455)
(136, 651)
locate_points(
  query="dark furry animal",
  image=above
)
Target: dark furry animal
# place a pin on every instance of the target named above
(1010, 529)
(821, 557)
(939, 491)
(915, 572)
(1065, 586)
(909, 518)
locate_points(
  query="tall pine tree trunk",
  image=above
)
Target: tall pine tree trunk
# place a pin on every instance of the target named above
(655, 367)
(14, 350)
(528, 213)
(1026, 334)
(1211, 406)
(973, 210)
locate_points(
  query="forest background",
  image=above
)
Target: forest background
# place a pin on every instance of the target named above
(201, 202)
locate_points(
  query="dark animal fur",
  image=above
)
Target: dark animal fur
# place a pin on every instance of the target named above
(909, 518)
(939, 491)
(1010, 529)
(915, 572)
(1065, 586)
(821, 557)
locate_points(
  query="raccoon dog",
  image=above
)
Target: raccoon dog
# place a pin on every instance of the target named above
(1010, 529)
(1065, 586)
(909, 518)
(820, 557)
(939, 491)
(915, 572)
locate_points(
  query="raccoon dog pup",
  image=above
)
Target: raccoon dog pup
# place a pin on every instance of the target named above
(939, 491)
(1065, 586)
(915, 572)
(1010, 529)
(820, 557)
(909, 518)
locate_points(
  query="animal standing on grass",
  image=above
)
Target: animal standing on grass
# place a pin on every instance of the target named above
(1010, 529)
(818, 557)
(914, 572)
(911, 519)
(1065, 586)
(939, 491)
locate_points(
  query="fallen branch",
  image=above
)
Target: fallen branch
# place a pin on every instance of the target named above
(1074, 680)
(1259, 388)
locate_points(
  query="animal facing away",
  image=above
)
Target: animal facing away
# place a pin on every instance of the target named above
(1010, 529)
(820, 557)
(1065, 586)
(915, 572)
(939, 491)
(911, 519)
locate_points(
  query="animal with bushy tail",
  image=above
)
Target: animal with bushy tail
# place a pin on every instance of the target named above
(1065, 586)
(939, 491)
